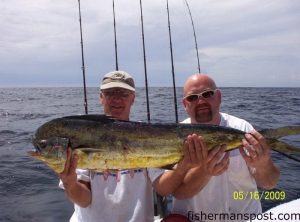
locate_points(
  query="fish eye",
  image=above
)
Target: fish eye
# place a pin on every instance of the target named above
(43, 144)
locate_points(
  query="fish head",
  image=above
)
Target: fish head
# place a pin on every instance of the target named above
(52, 151)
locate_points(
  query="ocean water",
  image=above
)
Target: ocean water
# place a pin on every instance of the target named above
(29, 190)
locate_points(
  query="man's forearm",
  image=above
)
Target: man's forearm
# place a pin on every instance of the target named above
(79, 193)
(267, 177)
(193, 183)
(169, 181)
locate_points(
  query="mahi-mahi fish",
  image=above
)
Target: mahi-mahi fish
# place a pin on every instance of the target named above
(104, 143)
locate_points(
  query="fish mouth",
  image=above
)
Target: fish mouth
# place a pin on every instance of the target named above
(37, 151)
(34, 153)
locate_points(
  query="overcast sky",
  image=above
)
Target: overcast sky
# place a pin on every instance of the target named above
(241, 42)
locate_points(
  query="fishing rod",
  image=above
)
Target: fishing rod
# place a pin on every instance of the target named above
(115, 32)
(158, 200)
(145, 66)
(172, 63)
(195, 38)
(82, 59)
(288, 156)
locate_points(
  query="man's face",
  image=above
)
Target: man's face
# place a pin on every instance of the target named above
(117, 102)
(204, 108)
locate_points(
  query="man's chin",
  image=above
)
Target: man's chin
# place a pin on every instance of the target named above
(117, 113)
(203, 121)
(203, 118)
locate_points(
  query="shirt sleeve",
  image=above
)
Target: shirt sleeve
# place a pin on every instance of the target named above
(83, 175)
(154, 173)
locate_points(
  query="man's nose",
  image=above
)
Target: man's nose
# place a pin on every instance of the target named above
(116, 98)
(201, 100)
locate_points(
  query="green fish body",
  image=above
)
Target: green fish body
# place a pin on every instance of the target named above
(104, 143)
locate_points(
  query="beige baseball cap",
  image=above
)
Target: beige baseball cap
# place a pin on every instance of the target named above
(117, 79)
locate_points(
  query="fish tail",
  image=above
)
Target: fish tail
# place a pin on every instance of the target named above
(283, 147)
(281, 132)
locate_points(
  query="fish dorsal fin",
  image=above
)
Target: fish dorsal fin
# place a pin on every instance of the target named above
(93, 117)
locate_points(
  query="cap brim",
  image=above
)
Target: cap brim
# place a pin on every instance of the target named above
(117, 85)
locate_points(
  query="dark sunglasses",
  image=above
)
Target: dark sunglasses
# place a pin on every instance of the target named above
(206, 95)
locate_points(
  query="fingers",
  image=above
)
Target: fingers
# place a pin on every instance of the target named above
(204, 148)
(250, 150)
(68, 161)
(186, 152)
(194, 151)
(196, 155)
(253, 144)
(71, 162)
(196, 148)
(216, 152)
(218, 164)
(261, 140)
(222, 166)
(244, 155)
(193, 155)
(74, 161)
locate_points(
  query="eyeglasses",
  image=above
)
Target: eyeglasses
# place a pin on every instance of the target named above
(117, 93)
(206, 95)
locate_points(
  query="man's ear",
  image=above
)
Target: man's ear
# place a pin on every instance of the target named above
(219, 94)
(184, 103)
(101, 98)
(133, 98)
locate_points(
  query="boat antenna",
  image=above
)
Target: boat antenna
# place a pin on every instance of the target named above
(82, 59)
(172, 62)
(115, 32)
(196, 46)
(145, 66)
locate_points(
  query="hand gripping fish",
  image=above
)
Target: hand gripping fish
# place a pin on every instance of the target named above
(105, 143)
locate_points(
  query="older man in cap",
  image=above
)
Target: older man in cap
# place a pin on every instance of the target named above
(122, 195)
(117, 94)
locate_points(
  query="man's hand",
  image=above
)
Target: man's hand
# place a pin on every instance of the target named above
(78, 191)
(68, 176)
(204, 165)
(216, 165)
(255, 150)
(256, 153)
(195, 153)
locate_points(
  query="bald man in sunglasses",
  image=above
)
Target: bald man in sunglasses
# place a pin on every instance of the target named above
(209, 188)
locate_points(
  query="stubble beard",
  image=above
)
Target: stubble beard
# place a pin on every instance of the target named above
(204, 117)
